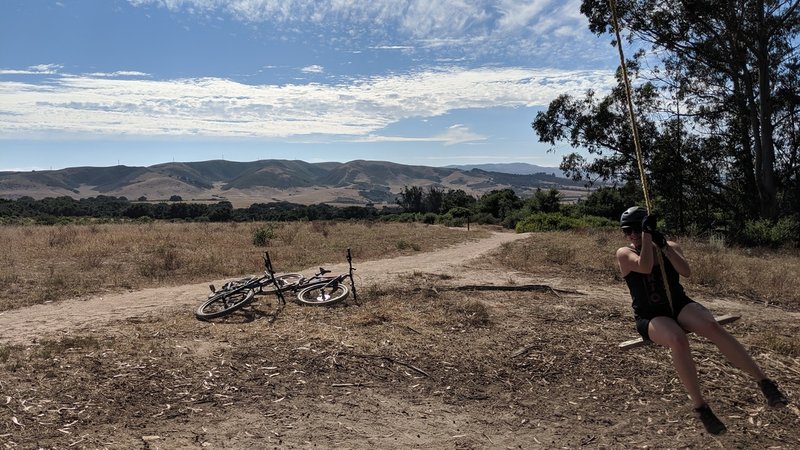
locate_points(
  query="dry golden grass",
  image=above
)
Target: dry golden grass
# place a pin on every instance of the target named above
(585, 253)
(44, 263)
(763, 275)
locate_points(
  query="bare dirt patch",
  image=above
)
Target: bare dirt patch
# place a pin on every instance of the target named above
(411, 365)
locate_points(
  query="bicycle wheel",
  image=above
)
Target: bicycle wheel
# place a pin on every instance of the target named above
(285, 282)
(223, 303)
(323, 294)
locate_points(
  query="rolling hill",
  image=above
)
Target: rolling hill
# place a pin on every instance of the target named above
(512, 168)
(244, 183)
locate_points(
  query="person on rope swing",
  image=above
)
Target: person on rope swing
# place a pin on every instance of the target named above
(656, 321)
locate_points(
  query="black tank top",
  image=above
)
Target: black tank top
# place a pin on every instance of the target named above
(648, 294)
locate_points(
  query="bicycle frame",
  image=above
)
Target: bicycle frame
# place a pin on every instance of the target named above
(254, 282)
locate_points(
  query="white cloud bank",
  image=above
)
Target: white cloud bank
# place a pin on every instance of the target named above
(223, 108)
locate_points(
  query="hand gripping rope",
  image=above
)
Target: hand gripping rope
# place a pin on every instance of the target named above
(637, 144)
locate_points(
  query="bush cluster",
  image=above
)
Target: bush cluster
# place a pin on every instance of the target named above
(764, 233)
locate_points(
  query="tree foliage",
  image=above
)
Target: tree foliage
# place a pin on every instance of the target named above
(499, 203)
(718, 117)
(436, 200)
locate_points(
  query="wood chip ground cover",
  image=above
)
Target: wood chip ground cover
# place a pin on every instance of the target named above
(410, 366)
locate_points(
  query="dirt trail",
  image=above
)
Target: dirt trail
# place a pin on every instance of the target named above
(25, 325)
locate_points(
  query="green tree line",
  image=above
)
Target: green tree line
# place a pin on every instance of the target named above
(59, 209)
(543, 211)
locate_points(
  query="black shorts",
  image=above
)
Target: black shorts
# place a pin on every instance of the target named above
(642, 323)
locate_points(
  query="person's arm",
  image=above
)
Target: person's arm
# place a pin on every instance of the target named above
(629, 261)
(673, 252)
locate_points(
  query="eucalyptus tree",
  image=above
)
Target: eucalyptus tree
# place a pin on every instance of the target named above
(726, 109)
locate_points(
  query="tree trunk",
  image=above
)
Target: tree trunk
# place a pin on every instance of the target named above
(766, 175)
(745, 156)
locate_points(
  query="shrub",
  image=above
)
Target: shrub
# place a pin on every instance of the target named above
(485, 219)
(402, 217)
(511, 220)
(600, 222)
(449, 221)
(459, 211)
(405, 245)
(558, 222)
(429, 218)
(547, 222)
(457, 222)
(262, 235)
(783, 233)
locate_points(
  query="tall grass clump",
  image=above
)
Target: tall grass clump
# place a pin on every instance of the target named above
(162, 262)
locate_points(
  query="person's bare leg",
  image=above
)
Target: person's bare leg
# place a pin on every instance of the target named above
(697, 319)
(665, 331)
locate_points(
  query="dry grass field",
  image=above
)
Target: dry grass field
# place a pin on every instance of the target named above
(767, 276)
(415, 363)
(51, 263)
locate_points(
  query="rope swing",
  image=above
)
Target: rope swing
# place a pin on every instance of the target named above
(636, 142)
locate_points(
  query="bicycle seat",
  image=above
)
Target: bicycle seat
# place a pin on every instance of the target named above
(323, 271)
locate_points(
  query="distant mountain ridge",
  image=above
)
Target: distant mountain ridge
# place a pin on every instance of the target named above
(512, 168)
(354, 182)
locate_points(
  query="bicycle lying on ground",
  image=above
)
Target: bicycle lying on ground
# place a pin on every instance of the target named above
(320, 289)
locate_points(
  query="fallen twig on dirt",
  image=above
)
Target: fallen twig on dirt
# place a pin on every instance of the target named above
(493, 287)
(391, 360)
(515, 287)
(522, 350)
(409, 328)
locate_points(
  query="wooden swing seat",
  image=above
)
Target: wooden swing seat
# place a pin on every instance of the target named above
(639, 342)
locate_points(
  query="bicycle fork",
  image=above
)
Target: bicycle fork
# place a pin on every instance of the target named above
(352, 280)
(271, 272)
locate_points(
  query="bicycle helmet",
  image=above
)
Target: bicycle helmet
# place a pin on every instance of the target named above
(632, 217)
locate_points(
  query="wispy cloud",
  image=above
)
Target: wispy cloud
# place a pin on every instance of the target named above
(455, 134)
(460, 134)
(39, 69)
(469, 26)
(391, 47)
(313, 69)
(119, 73)
(219, 107)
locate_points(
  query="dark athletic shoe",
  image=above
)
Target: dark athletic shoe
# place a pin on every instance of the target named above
(775, 398)
(710, 421)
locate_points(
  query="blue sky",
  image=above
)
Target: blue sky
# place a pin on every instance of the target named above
(428, 82)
